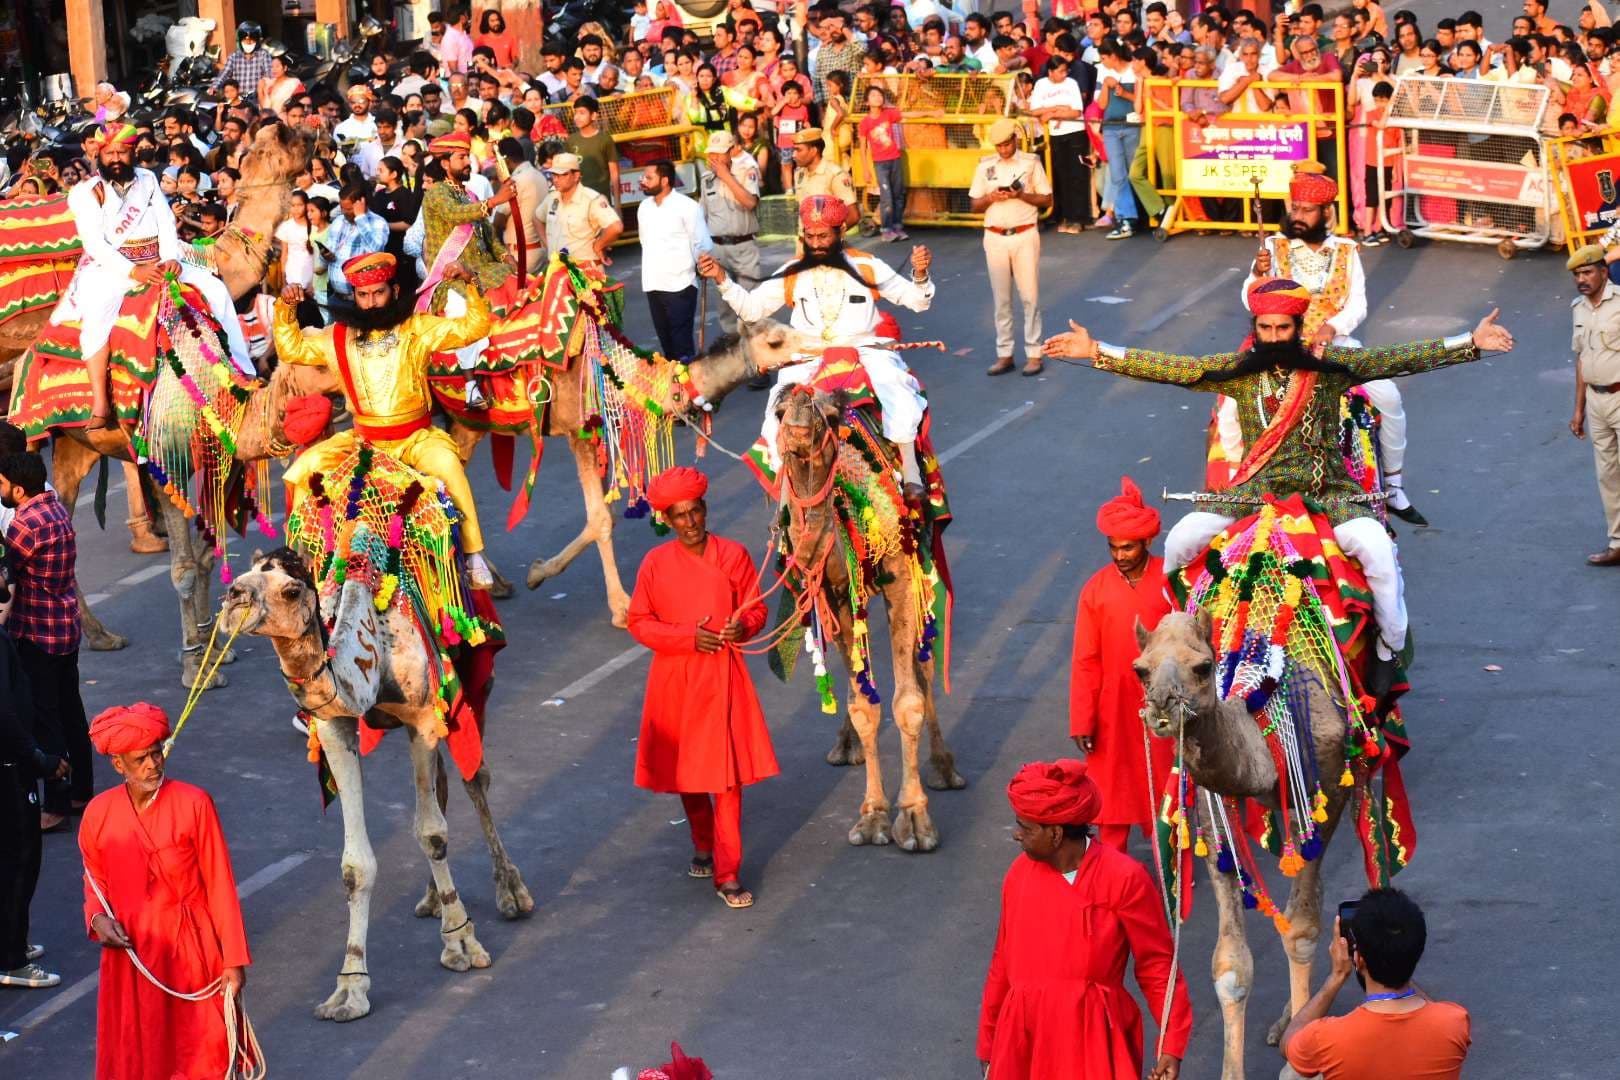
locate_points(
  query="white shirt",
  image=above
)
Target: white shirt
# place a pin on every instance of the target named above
(357, 130)
(673, 235)
(1247, 102)
(1312, 270)
(298, 266)
(410, 84)
(828, 303)
(1067, 92)
(985, 54)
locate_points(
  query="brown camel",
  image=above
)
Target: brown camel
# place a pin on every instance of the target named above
(762, 347)
(1225, 754)
(809, 450)
(379, 670)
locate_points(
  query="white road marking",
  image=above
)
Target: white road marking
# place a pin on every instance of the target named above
(87, 497)
(635, 652)
(1166, 314)
(87, 985)
(145, 573)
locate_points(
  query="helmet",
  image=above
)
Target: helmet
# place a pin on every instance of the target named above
(249, 30)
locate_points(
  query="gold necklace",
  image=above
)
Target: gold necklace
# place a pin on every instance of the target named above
(818, 275)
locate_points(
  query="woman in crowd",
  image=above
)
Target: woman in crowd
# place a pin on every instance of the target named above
(715, 107)
(1057, 104)
(1121, 133)
(1158, 138)
(752, 138)
(280, 86)
(748, 80)
(840, 133)
(1409, 46)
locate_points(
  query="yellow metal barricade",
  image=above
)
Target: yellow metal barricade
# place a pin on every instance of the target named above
(646, 128)
(1222, 157)
(1586, 176)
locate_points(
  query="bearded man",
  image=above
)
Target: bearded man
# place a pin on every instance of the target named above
(834, 294)
(1288, 412)
(127, 231)
(1330, 269)
(458, 230)
(380, 351)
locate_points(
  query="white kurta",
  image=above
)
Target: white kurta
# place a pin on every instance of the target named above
(104, 275)
(835, 307)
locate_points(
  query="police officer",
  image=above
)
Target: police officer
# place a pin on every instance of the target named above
(817, 175)
(1597, 384)
(577, 218)
(1011, 189)
(730, 197)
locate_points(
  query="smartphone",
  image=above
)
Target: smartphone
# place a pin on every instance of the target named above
(1347, 912)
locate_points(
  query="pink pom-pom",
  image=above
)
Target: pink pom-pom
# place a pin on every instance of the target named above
(225, 576)
(396, 531)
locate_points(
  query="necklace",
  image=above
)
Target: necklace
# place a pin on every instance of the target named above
(828, 320)
(1408, 992)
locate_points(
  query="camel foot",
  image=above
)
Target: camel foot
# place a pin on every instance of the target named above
(462, 952)
(428, 906)
(914, 830)
(100, 639)
(847, 751)
(941, 775)
(1274, 1033)
(512, 895)
(350, 1001)
(619, 611)
(540, 571)
(191, 673)
(872, 829)
(228, 657)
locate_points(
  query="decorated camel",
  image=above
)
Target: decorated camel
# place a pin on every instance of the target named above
(60, 411)
(615, 404)
(1276, 738)
(367, 618)
(846, 535)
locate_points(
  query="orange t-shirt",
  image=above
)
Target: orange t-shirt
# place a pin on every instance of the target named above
(1425, 1044)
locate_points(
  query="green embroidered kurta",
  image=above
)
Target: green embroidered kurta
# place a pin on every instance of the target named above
(1308, 462)
(443, 208)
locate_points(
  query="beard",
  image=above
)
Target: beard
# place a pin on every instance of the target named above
(833, 257)
(1290, 355)
(370, 320)
(118, 172)
(1311, 234)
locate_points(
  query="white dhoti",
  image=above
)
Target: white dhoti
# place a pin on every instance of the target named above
(897, 390)
(96, 295)
(455, 306)
(1362, 538)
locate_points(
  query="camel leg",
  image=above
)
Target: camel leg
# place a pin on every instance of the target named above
(428, 906)
(847, 749)
(913, 829)
(71, 462)
(873, 826)
(189, 578)
(598, 530)
(340, 739)
(1304, 915)
(511, 894)
(941, 774)
(1232, 967)
(462, 951)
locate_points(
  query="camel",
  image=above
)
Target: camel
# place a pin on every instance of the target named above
(731, 362)
(809, 450)
(379, 670)
(242, 254)
(1224, 753)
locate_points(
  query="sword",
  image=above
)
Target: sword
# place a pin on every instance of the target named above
(703, 312)
(1259, 220)
(517, 225)
(1254, 500)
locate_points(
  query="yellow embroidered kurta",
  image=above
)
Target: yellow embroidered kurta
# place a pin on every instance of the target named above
(390, 392)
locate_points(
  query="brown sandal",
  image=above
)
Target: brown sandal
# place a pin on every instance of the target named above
(702, 867)
(734, 896)
(101, 422)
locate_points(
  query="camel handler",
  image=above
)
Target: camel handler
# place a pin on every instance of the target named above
(1010, 189)
(155, 857)
(457, 230)
(127, 231)
(833, 293)
(1125, 598)
(815, 174)
(1073, 911)
(380, 352)
(1329, 267)
(1288, 410)
(703, 735)
(579, 220)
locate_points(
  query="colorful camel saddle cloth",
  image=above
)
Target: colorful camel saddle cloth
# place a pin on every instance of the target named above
(1359, 422)
(1288, 608)
(35, 227)
(372, 519)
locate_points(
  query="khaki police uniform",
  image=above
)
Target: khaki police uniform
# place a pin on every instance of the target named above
(1597, 344)
(827, 179)
(573, 222)
(1012, 245)
(732, 226)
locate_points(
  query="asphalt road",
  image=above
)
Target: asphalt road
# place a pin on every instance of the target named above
(868, 962)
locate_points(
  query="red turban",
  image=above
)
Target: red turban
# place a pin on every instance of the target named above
(129, 729)
(1126, 516)
(679, 484)
(681, 1067)
(1054, 793)
(1312, 186)
(1279, 296)
(371, 268)
(307, 417)
(823, 211)
(445, 145)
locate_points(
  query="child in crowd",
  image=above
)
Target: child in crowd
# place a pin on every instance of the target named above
(792, 116)
(883, 140)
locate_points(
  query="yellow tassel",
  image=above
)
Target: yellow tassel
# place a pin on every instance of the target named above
(1182, 839)
(830, 708)
(1345, 779)
(1319, 815)
(442, 730)
(1201, 849)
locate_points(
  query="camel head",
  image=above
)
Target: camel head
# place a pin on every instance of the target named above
(733, 359)
(809, 422)
(1177, 671)
(275, 598)
(279, 153)
(771, 345)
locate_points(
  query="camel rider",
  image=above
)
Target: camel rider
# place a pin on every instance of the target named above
(1330, 268)
(127, 231)
(1288, 409)
(457, 230)
(380, 351)
(834, 294)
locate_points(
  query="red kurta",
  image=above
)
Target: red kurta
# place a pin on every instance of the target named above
(1105, 698)
(1055, 1003)
(701, 725)
(167, 877)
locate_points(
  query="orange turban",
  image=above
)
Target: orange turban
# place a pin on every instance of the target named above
(128, 729)
(445, 145)
(1054, 793)
(1311, 185)
(1279, 296)
(307, 417)
(679, 484)
(372, 268)
(823, 211)
(1126, 516)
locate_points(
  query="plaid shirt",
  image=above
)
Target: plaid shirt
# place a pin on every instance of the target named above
(246, 69)
(365, 235)
(42, 552)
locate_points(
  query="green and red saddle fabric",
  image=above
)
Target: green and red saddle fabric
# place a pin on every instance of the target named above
(39, 251)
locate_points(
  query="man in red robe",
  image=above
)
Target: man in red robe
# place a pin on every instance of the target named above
(1073, 911)
(154, 852)
(1105, 697)
(703, 735)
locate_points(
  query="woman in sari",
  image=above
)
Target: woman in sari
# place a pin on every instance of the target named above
(714, 107)
(279, 87)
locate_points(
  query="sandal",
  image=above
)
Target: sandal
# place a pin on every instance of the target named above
(702, 867)
(734, 896)
(101, 422)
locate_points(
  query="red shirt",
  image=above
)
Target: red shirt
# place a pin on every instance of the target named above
(43, 551)
(880, 132)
